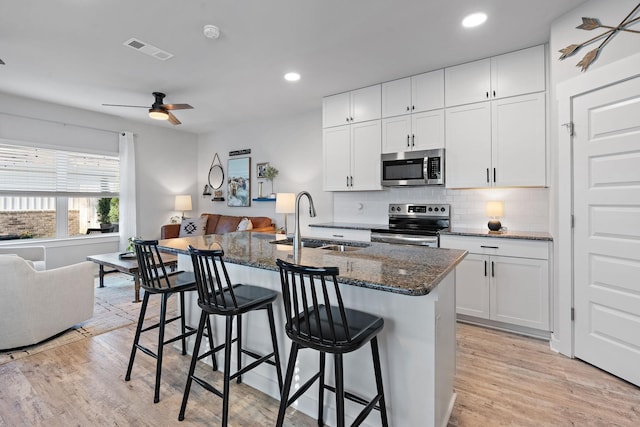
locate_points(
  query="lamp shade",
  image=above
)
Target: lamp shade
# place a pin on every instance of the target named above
(495, 209)
(183, 203)
(285, 203)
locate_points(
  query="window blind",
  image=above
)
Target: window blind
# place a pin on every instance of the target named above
(46, 171)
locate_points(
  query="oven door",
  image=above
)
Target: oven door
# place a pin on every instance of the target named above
(399, 238)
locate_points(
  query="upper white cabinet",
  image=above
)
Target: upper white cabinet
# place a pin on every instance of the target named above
(511, 74)
(499, 143)
(351, 157)
(418, 131)
(351, 107)
(414, 94)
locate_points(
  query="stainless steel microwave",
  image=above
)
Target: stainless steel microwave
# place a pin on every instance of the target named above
(425, 167)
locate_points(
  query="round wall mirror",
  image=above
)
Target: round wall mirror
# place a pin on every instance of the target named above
(216, 177)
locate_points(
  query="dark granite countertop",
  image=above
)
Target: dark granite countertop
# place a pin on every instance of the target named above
(402, 269)
(478, 232)
(349, 225)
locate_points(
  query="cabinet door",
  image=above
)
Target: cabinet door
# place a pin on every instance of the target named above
(519, 141)
(365, 156)
(396, 134)
(396, 97)
(427, 91)
(467, 83)
(366, 104)
(468, 145)
(472, 286)
(427, 130)
(518, 73)
(336, 158)
(336, 110)
(520, 291)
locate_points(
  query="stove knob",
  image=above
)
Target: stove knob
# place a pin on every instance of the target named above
(431, 209)
(442, 209)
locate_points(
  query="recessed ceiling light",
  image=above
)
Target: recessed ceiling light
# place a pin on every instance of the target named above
(292, 77)
(474, 20)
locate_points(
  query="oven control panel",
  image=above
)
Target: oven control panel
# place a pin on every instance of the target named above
(439, 210)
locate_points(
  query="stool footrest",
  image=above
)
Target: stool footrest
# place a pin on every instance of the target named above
(303, 389)
(207, 386)
(355, 398)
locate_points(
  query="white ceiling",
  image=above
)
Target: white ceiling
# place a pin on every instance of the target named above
(71, 51)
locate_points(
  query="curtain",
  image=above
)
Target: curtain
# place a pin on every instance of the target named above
(127, 189)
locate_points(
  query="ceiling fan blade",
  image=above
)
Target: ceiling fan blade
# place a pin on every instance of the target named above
(177, 106)
(119, 105)
(173, 119)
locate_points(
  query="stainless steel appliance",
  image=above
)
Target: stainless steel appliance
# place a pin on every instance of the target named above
(424, 167)
(414, 224)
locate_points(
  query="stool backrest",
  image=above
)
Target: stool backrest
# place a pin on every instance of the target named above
(313, 304)
(150, 265)
(212, 280)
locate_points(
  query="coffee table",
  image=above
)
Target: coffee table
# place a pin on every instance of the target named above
(128, 266)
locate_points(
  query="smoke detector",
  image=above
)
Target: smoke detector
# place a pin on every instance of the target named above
(211, 31)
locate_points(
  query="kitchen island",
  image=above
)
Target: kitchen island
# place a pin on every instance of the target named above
(412, 288)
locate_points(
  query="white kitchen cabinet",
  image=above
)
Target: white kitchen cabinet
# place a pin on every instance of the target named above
(468, 144)
(502, 76)
(499, 143)
(352, 107)
(351, 157)
(341, 233)
(502, 282)
(418, 131)
(422, 92)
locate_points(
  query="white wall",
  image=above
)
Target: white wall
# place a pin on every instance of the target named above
(565, 33)
(165, 161)
(293, 145)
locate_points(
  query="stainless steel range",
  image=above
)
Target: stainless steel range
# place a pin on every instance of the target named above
(414, 224)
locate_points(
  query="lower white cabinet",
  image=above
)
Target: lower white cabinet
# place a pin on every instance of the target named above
(341, 233)
(503, 280)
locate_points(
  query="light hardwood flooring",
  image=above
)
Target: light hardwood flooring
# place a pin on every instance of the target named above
(502, 380)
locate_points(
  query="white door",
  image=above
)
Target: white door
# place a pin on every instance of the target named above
(396, 134)
(606, 183)
(472, 286)
(427, 130)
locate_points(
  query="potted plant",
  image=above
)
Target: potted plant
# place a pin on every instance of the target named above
(104, 209)
(269, 174)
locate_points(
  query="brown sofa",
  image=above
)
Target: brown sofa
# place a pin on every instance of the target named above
(220, 224)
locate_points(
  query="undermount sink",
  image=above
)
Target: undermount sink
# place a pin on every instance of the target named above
(329, 245)
(340, 248)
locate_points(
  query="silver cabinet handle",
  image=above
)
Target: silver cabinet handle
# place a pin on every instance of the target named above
(493, 270)
(494, 174)
(413, 140)
(488, 181)
(347, 180)
(485, 269)
(407, 140)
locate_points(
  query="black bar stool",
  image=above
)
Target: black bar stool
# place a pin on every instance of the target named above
(316, 321)
(156, 280)
(216, 295)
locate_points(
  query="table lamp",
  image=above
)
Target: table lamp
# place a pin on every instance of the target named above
(285, 204)
(183, 203)
(495, 209)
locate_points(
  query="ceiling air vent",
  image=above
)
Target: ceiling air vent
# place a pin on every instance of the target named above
(148, 49)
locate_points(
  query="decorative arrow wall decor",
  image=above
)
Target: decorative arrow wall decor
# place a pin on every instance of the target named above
(592, 24)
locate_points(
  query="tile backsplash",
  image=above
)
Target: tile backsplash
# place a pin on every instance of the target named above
(525, 209)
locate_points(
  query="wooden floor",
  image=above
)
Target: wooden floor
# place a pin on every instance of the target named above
(502, 380)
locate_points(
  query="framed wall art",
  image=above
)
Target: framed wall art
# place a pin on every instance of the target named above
(260, 169)
(239, 182)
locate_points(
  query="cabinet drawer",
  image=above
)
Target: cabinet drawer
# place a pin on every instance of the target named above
(522, 248)
(341, 234)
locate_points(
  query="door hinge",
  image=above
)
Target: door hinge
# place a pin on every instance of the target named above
(569, 127)
(573, 314)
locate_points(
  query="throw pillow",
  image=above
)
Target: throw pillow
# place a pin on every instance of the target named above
(193, 227)
(245, 224)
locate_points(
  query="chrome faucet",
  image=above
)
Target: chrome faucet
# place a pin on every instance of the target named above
(297, 242)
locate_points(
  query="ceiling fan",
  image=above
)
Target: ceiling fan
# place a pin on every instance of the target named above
(159, 110)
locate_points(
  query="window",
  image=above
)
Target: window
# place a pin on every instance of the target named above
(49, 193)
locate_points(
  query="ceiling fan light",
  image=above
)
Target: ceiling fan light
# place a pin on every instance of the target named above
(158, 114)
